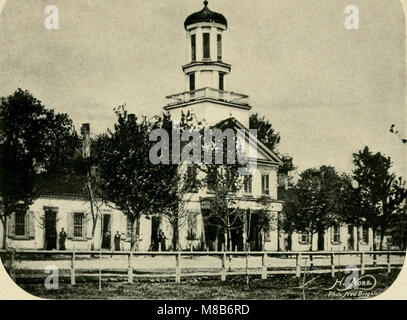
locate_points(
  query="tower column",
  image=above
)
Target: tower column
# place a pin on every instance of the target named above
(199, 44)
(214, 44)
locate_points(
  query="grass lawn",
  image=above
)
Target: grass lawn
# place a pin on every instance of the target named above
(275, 287)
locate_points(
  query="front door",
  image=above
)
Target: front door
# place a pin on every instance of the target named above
(50, 230)
(155, 228)
(106, 232)
(321, 241)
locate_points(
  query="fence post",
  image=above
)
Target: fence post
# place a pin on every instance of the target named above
(263, 267)
(73, 280)
(362, 263)
(311, 262)
(100, 269)
(178, 267)
(374, 260)
(130, 268)
(388, 263)
(223, 272)
(159, 246)
(297, 264)
(333, 265)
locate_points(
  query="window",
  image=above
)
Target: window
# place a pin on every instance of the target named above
(304, 237)
(219, 38)
(248, 184)
(365, 234)
(221, 81)
(265, 184)
(20, 224)
(206, 46)
(336, 235)
(193, 47)
(78, 225)
(128, 227)
(192, 81)
(192, 227)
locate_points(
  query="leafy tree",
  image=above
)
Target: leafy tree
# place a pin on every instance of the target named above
(126, 176)
(354, 208)
(223, 182)
(271, 139)
(291, 219)
(380, 189)
(314, 203)
(180, 181)
(34, 141)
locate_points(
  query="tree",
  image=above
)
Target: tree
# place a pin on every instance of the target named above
(380, 189)
(126, 176)
(314, 203)
(179, 181)
(223, 181)
(271, 139)
(354, 210)
(34, 141)
(291, 219)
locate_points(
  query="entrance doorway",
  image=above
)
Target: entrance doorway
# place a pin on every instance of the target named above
(155, 228)
(50, 229)
(106, 231)
(321, 241)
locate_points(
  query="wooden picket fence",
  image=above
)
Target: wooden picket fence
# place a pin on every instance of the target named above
(223, 255)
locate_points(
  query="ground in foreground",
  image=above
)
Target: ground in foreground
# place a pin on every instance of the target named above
(275, 287)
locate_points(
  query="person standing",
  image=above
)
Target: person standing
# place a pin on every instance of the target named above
(162, 239)
(117, 238)
(62, 239)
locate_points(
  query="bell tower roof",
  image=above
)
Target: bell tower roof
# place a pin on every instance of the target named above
(205, 15)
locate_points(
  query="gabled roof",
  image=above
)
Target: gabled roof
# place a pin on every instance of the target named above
(62, 186)
(232, 122)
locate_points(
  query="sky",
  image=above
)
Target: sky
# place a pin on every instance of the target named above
(329, 91)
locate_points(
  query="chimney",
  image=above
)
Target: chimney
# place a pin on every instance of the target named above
(85, 132)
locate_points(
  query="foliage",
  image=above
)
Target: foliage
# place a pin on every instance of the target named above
(126, 177)
(34, 141)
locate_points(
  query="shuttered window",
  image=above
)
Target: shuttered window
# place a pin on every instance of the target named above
(336, 235)
(304, 237)
(219, 40)
(78, 225)
(20, 224)
(128, 227)
(206, 46)
(221, 81)
(265, 184)
(192, 81)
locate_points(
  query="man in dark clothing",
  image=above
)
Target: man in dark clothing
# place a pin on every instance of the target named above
(117, 238)
(62, 239)
(162, 240)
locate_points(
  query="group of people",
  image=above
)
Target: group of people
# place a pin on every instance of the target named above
(157, 244)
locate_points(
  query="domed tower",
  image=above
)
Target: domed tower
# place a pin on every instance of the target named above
(206, 71)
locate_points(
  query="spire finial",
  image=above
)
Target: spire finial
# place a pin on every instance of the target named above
(206, 3)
